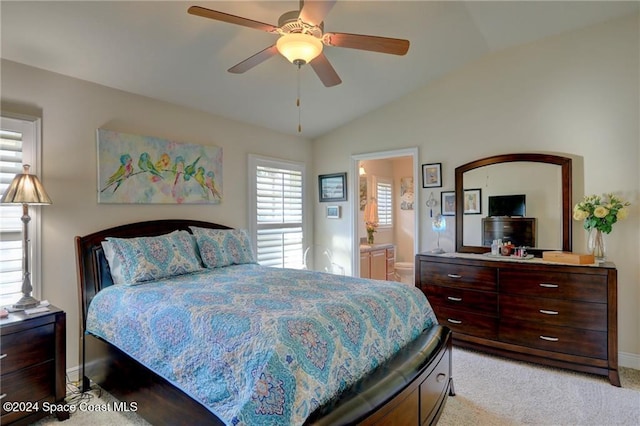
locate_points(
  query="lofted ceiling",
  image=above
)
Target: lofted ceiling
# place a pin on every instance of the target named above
(156, 49)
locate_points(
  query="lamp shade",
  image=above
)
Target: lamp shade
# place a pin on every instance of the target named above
(25, 189)
(299, 48)
(439, 223)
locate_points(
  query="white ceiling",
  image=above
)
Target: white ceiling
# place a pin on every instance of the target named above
(156, 49)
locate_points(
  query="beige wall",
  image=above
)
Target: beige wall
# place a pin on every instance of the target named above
(575, 94)
(71, 111)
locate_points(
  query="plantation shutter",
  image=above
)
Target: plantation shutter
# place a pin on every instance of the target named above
(279, 215)
(11, 157)
(385, 207)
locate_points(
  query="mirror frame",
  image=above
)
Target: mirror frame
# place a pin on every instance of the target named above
(566, 178)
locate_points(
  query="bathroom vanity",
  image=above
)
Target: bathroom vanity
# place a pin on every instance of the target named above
(377, 261)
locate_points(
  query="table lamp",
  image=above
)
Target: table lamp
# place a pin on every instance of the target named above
(27, 190)
(439, 225)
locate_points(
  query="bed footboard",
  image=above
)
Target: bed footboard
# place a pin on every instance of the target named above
(410, 389)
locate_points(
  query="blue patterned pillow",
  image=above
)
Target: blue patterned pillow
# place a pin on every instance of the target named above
(135, 260)
(223, 247)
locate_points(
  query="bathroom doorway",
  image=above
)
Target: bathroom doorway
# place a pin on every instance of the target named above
(398, 167)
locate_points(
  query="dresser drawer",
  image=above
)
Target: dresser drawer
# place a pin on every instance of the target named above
(585, 287)
(27, 347)
(482, 302)
(28, 385)
(584, 315)
(468, 323)
(433, 388)
(460, 276)
(566, 340)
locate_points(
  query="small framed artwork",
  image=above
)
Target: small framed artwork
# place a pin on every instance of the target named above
(448, 203)
(432, 175)
(363, 192)
(473, 201)
(333, 212)
(333, 187)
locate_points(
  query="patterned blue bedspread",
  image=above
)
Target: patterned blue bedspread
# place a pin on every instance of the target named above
(259, 345)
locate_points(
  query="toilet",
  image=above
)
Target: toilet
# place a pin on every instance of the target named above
(404, 272)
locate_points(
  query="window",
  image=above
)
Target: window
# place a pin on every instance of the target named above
(385, 202)
(277, 211)
(19, 144)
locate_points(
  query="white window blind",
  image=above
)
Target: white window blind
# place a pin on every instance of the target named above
(279, 214)
(385, 205)
(18, 140)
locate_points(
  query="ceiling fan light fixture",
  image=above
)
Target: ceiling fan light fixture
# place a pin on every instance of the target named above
(299, 48)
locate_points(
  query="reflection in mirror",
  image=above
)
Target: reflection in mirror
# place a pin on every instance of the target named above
(542, 181)
(540, 185)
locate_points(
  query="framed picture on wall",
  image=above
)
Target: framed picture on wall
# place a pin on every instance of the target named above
(332, 187)
(333, 212)
(473, 201)
(448, 203)
(432, 175)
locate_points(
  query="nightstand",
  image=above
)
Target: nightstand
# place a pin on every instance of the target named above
(32, 364)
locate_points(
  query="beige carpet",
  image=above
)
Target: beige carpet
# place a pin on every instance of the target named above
(494, 391)
(489, 391)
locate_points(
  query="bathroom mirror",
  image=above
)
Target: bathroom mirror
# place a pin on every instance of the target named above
(535, 186)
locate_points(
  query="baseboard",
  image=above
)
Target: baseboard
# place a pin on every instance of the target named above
(73, 374)
(629, 360)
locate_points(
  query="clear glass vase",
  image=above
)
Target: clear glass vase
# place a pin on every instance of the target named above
(370, 235)
(596, 244)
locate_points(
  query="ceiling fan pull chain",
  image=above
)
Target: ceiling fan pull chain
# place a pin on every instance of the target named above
(298, 99)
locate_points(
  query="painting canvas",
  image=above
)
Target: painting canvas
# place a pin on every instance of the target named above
(136, 169)
(406, 193)
(363, 192)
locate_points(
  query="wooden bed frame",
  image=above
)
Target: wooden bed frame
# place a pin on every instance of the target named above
(409, 389)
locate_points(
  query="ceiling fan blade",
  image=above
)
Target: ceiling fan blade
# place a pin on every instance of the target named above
(325, 71)
(231, 19)
(313, 12)
(254, 60)
(394, 46)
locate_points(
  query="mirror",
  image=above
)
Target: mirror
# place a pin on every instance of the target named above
(541, 183)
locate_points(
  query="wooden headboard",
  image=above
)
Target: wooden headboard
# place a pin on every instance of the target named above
(92, 268)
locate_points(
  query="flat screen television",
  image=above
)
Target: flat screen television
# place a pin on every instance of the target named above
(507, 205)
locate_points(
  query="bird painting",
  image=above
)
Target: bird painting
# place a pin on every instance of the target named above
(145, 169)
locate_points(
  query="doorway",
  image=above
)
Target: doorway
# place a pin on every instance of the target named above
(410, 214)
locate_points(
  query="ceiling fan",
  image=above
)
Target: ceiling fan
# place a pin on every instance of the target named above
(302, 38)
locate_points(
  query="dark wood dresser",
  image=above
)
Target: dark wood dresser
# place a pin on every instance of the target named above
(553, 314)
(33, 364)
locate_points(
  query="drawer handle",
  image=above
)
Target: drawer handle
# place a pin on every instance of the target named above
(547, 285)
(3, 396)
(3, 356)
(549, 339)
(454, 276)
(454, 321)
(440, 377)
(547, 312)
(454, 299)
